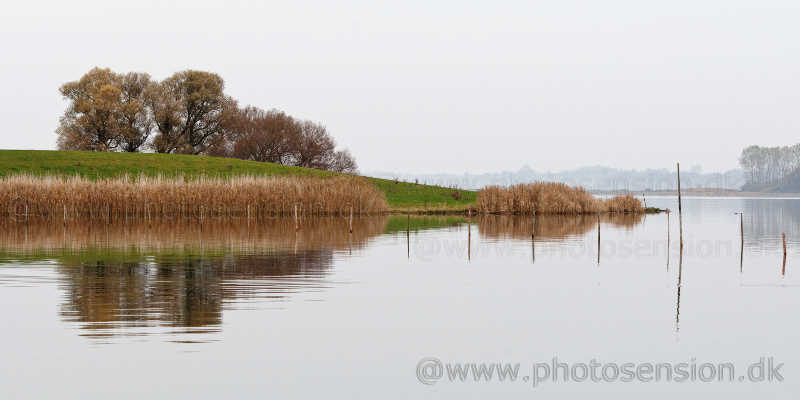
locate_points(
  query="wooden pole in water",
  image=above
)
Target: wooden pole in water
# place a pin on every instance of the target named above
(351, 218)
(680, 209)
(533, 239)
(408, 232)
(783, 272)
(741, 242)
(296, 221)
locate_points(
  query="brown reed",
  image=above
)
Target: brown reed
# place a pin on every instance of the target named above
(160, 198)
(551, 198)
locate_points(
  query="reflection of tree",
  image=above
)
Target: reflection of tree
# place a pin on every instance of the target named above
(188, 293)
(765, 220)
(550, 226)
(122, 277)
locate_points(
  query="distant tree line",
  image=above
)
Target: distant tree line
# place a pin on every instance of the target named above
(187, 113)
(770, 165)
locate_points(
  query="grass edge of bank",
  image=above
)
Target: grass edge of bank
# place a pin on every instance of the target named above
(401, 196)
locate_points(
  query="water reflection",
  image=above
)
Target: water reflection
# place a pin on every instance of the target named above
(140, 280)
(549, 227)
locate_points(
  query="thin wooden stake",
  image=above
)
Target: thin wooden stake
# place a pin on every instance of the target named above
(533, 239)
(351, 218)
(297, 222)
(783, 272)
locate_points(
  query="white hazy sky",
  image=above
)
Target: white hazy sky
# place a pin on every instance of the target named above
(444, 86)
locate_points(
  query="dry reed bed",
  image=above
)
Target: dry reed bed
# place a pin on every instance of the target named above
(551, 198)
(172, 198)
(41, 237)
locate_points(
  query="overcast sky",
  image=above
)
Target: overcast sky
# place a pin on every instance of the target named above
(444, 86)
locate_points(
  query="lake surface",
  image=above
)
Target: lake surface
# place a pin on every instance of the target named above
(231, 309)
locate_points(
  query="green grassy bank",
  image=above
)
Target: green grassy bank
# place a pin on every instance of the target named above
(400, 195)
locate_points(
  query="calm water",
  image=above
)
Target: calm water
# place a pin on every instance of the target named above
(230, 309)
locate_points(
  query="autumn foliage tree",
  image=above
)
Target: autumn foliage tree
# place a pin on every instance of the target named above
(91, 122)
(187, 113)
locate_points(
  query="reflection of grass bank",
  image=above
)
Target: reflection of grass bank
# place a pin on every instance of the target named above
(417, 223)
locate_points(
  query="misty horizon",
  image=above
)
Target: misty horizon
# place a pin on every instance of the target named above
(445, 87)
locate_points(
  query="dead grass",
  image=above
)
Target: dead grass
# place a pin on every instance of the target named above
(160, 198)
(551, 198)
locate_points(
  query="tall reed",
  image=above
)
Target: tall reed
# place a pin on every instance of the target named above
(550, 198)
(153, 198)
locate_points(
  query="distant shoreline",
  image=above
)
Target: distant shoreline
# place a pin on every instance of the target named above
(700, 192)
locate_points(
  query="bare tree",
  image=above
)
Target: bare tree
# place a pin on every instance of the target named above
(343, 161)
(313, 147)
(192, 115)
(263, 135)
(770, 165)
(189, 109)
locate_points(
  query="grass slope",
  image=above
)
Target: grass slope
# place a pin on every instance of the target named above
(400, 195)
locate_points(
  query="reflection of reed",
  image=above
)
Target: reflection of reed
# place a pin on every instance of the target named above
(549, 226)
(43, 240)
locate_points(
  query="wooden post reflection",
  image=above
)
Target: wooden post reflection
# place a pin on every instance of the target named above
(741, 242)
(667, 240)
(351, 218)
(678, 305)
(469, 239)
(408, 233)
(598, 239)
(680, 209)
